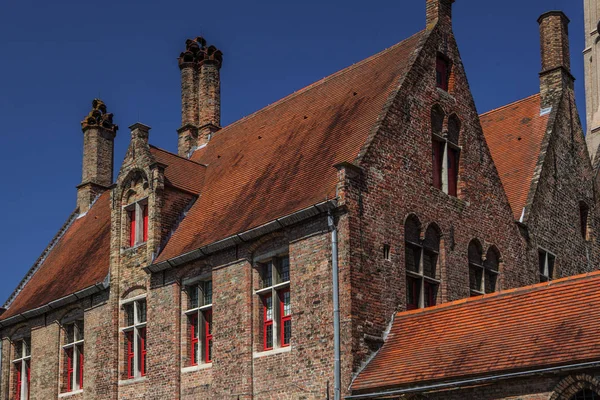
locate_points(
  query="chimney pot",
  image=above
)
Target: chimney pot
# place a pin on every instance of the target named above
(438, 11)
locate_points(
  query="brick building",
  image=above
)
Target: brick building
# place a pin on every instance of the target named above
(220, 272)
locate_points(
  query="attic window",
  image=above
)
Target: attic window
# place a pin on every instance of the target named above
(386, 252)
(546, 262)
(442, 72)
(584, 212)
(137, 218)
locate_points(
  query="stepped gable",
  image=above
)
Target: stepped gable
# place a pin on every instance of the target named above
(514, 134)
(180, 173)
(78, 260)
(281, 159)
(540, 326)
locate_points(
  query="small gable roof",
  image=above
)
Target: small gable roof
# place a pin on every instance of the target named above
(514, 134)
(280, 159)
(180, 173)
(77, 260)
(540, 326)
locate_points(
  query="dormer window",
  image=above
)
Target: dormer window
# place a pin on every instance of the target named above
(137, 216)
(442, 73)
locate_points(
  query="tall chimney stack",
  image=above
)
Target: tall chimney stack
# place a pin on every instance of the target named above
(556, 58)
(438, 11)
(200, 95)
(98, 153)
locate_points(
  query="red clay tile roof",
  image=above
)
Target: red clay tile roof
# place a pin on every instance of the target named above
(77, 261)
(280, 159)
(181, 173)
(544, 325)
(514, 134)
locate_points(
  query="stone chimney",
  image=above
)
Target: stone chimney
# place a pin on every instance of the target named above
(556, 58)
(98, 153)
(438, 11)
(200, 95)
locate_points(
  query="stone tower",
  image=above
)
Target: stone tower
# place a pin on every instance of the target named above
(592, 74)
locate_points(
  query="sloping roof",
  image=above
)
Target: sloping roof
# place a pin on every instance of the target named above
(514, 134)
(180, 172)
(280, 159)
(544, 325)
(78, 260)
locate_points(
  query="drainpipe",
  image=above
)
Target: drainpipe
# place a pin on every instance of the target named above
(337, 392)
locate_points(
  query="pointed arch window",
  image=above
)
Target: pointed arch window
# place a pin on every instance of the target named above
(445, 151)
(584, 212)
(421, 260)
(483, 275)
(586, 394)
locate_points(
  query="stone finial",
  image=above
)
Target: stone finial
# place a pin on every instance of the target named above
(98, 117)
(196, 52)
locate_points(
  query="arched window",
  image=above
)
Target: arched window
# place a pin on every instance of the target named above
(483, 275)
(584, 212)
(586, 394)
(421, 258)
(445, 151)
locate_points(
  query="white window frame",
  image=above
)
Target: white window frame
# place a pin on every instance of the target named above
(138, 206)
(277, 285)
(546, 273)
(24, 358)
(78, 341)
(421, 273)
(199, 311)
(135, 328)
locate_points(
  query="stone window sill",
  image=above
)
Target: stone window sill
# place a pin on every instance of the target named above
(69, 394)
(196, 368)
(267, 353)
(133, 381)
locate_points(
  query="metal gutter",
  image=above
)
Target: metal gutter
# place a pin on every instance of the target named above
(474, 381)
(337, 388)
(238, 238)
(72, 298)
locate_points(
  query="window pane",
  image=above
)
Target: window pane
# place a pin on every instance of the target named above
(141, 311)
(193, 296)
(430, 264)
(490, 281)
(269, 337)
(551, 260)
(129, 316)
(267, 278)
(430, 295)
(268, 301)
(586, 394)
(475, 277)
(27, 343)
(70, 333)
(437, 157)
(284, 269)
(287, 306)
(413, 257)
(79, 330)
(453, 155)
(413, 291)
(207, 291)
(287, 331)
(542, 262)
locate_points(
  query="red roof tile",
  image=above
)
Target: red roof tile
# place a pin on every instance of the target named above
(180, 173)
(77, 261)
(280, 159)
(514, 134)
(544, 325)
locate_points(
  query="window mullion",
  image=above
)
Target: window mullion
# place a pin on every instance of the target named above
(445, 167)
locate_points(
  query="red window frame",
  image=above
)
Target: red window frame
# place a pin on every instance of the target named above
(453, 155)
(132, 228)
(81, 360)
(193, 339)
(145, 226)
(282, 317)
(142, 351)
(130, 355)
(69, 353)
(208, 336)
(19, 381)
(441, 69)
(438, 157)
(267, 323)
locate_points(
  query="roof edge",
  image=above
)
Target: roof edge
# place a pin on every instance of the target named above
(271, 226)
(508, 105)
(38, 263)
(474, 380)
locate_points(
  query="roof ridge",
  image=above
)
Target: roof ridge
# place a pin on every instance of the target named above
(321, 81)
(176, 155)
(509, 104)
(502, 293)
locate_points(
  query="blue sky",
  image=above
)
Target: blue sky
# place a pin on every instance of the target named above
(57, 56)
